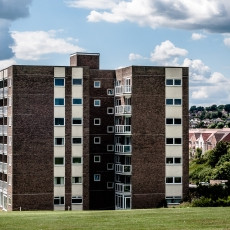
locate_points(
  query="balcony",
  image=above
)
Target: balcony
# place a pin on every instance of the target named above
(3, 91)
(123, 129)
(3, 111)
(3, 149)
(123, 109)
(126, 149)
(123, 188)
(3, 130)
(123, 169)
(123, 89)
(5, 168)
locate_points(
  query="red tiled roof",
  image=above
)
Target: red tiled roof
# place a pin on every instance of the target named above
(226, 138)
(206, 136)
(218, 136)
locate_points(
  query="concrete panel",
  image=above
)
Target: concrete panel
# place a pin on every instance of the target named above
(77, 131)
(59, 131)
(173, 72)
(77, 91)
(173, 111)
(59, 92)
(173, 151)
(77, 170)
(77, 189)
(59, 71)
(173, 190)
(59, 111)
(59, 151)
(77, 111)
(59, 190)
(59, 171)
(174, 170)
(173, 92)
(77, 150)
(76, 207)
(77, 72)
(173, 130)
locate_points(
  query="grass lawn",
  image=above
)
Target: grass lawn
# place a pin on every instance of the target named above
(167, 218)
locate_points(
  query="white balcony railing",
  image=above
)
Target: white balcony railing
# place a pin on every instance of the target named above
(123, 188)
(3, 91)
(3, 111)
(3, 130)
(1, 166)
(123, 148)
(126, 129)
(123, 109)
(123, 169)
(5, 168)
(123, 89)
(3, 149)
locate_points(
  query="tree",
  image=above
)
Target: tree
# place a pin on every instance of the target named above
(227, 108)
(220, 107)
(192, 109)
(213, 108)
(220, 125)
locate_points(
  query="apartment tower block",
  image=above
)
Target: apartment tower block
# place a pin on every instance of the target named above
(80, 138)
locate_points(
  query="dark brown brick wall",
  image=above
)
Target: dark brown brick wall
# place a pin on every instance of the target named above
(89, 60)
(33, 137)
(148, 137)
(185, 133)
(99, 197)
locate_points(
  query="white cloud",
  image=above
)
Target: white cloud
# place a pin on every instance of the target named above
(92, 4)
(33, 45)
(227, 41)
(196, 14)
(133, 56)
(201, 93)
(166, 51)
(196, 36)
(6, 63)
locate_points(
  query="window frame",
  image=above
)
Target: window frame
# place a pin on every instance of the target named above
(76, 197)
(79, 177)
(173, 102)
(78, 158)
(110, 92)
(110, 127)
(108, 150)
(77, 79)
(174, 82)
(97, 102)
(96, 177)
(95, 160)
(60, 198)
(112, 109)
(59, 138)
(173, 121)
(97, 140)
(112, 185)
(58, 125)
(62, 179)
(110, 166)
(173, 160)
(58, 98)
(59, 164)
(78, 143)
(174, 141)
(59, 78)
(95, 84)
(95, 119)
(77, 119)
(173, 180)
(77, 98)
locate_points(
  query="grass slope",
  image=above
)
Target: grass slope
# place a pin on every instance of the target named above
(168, 218)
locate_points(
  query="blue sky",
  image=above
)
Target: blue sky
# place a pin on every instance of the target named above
(126, 32)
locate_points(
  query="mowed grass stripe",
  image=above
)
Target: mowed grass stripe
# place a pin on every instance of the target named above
(168, 218)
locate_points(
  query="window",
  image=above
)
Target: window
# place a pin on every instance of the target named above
(97, 159)
(110, 148)
(97, 140)
(173, 199)
(59, 81)
(76, 199)
(110, 92)
(58, 180)
(173, 121)
(169, 160)
(77, 81)
(59, 160)
(77, 160)
(173, 141)
(97, 177)
(59, 200)
(77, 121)
(110, 129)
(110, 110)
(59, 101)
(77, 101)
(97, 84)
(59, 141)
(110, 185)
(176, 101)
(173, 180)
(173, 160)
(59, 121)
(110, 166)
(173, 82)
(97, 102)
(97, 121)
(76, 180)
(76, 140)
